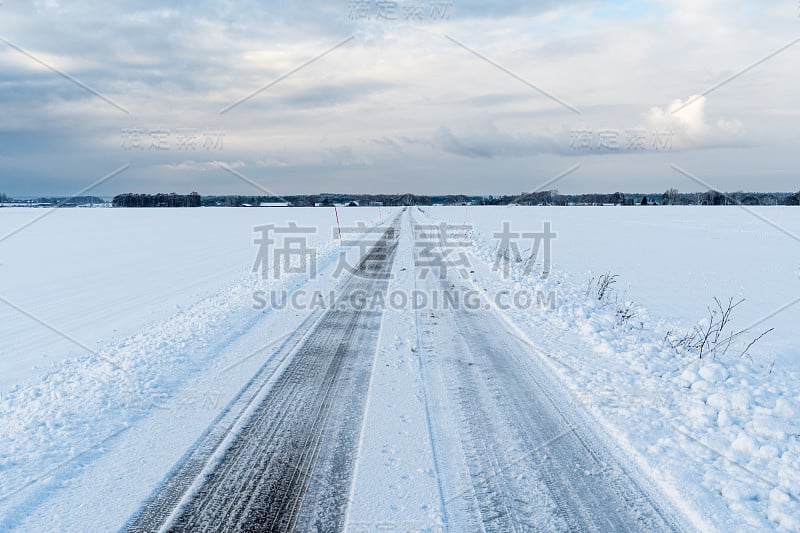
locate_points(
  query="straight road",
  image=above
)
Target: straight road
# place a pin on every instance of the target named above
(512, 451)
(516, 453)
(281, 456)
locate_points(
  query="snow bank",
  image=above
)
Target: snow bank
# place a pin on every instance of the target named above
(55, 420)
(721, 435)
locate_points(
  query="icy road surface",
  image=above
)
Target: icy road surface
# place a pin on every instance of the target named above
(510, 451)
(286, 462)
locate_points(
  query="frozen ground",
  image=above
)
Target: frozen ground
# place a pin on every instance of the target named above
(164, 300)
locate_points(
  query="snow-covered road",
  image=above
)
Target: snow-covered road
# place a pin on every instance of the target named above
(424, 410)
(281, 457)
(504, 447)
(517, 452)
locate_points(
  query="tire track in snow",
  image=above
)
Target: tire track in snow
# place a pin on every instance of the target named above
(281, 456)
(531, 461)
(435, 452)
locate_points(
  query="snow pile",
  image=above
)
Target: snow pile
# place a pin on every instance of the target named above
(720, 434)
(54, 425)
(85, 400)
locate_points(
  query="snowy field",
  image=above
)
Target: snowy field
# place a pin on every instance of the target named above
(675, 260)
(102, 274)
(722, 433)
(125, 332)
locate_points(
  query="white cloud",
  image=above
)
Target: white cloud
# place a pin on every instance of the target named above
(690, 128)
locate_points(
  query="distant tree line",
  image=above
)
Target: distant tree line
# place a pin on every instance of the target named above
(326, 199)
(793, 199)
(72, 200)
(669, 197)
(673, 197)
(157, 200)
(59, 201)
(238, 201)
(551, 197)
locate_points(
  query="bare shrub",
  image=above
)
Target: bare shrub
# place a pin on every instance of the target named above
(604, 284)
(713, 335)
(625, 314)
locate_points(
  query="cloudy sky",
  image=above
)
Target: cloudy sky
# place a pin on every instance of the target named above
(417, 96)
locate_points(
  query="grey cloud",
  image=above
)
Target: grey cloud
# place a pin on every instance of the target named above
(487, 143)
(176, 66)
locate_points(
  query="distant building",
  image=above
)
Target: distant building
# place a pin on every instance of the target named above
(274, 204)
